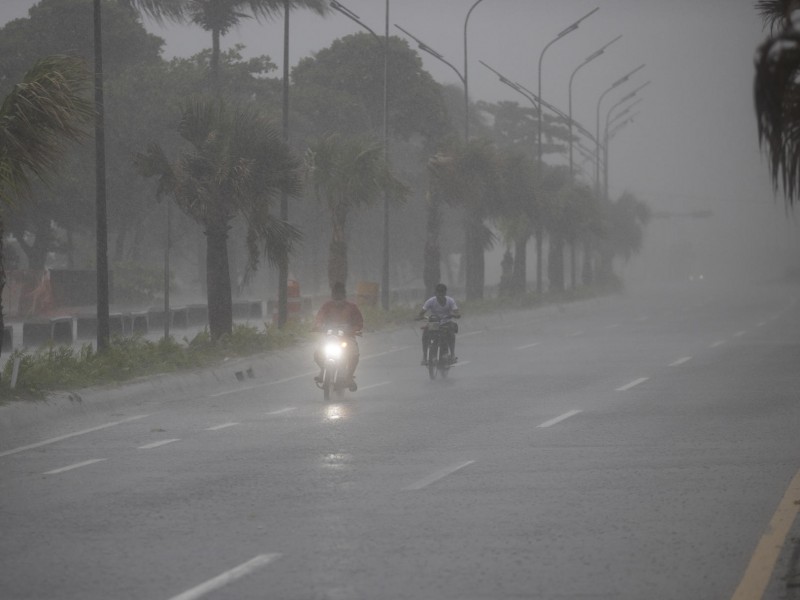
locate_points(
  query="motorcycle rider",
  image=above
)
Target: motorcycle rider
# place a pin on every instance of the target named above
(338, 313)
(445, 308)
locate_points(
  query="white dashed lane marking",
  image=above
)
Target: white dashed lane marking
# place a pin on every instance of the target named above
(227, 577)
(223, 426)
(525, 347)
(680, 361)
(434, 477)
(75, 466)
(282, 411)
(70, 435)
(632, 384)
(157, 444)
(558, 419)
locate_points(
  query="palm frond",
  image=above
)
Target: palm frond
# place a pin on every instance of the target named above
(38, 117)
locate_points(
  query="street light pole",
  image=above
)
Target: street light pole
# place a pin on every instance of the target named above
(566, 31)
(338, 6)
(466, 77)
(425, 48)
(614, 85)
(537, 102)
(585, 62)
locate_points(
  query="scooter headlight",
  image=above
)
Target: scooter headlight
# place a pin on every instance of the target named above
(333, 350)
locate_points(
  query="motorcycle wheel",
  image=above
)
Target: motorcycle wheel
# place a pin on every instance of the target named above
(327, 384)
(433, 360)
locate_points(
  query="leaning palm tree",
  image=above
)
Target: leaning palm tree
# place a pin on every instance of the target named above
(220, 16)
(40, 114)
(346, 174)
(777, 95)
(235, 165)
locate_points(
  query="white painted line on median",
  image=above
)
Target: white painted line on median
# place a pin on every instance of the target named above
(739, 333)
(282, 411)
(461, 364)
(373, 385)
(157, 444)
(434, 477)
(227, 577)
(223, 426)
(680, 361)
(761, 323)
(614, 326)
(563, 417)
(75, 466)
(575, 334)
(69, 435)
(528, 346)
(469, 333)
(717, 344)
(633, 383)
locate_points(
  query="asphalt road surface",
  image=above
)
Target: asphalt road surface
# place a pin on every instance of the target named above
(642, 446)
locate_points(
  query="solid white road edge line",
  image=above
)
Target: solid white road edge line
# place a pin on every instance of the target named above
(633, 383)
(75, 466)
(717, 344)
(434, 477)
(223, 426)
(69, 435)
(552, 422)
(227, 577)
(157, 444)
(680, 361)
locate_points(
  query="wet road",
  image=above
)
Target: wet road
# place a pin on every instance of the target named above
(630, 447)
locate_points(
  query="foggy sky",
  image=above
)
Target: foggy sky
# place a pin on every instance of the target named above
(694, 142)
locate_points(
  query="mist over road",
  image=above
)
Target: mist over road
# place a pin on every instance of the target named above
(628, 447)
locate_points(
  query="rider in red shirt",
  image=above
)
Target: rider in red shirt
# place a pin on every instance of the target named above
(339, 313)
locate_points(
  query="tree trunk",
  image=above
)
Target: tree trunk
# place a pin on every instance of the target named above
(218, 281)
(555, 263)
(2, 282)
(587, 276)
(432, 260)
(539, 234)
(337, 258)
(475, 259)
(519, 283)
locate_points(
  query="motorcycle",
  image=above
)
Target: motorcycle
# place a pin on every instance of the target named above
(335, 353)
(438, 352)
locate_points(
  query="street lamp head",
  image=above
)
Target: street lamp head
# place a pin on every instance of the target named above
(569, 29)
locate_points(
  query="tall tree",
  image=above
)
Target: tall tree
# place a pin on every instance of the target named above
(235, 165)
(220, 16)
(42, 112)
(347, 173)
(468, 175)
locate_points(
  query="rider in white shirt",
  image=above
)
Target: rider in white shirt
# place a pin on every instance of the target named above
(445, 309)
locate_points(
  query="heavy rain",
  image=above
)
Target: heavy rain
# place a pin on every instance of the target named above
(399, 299)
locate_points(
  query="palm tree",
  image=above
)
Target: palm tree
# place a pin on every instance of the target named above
(520, 211)
(347, 173)
(220, 16)
(468, 175)
(235, 165)
(625, 222)
(36, 119)
(777, 95)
